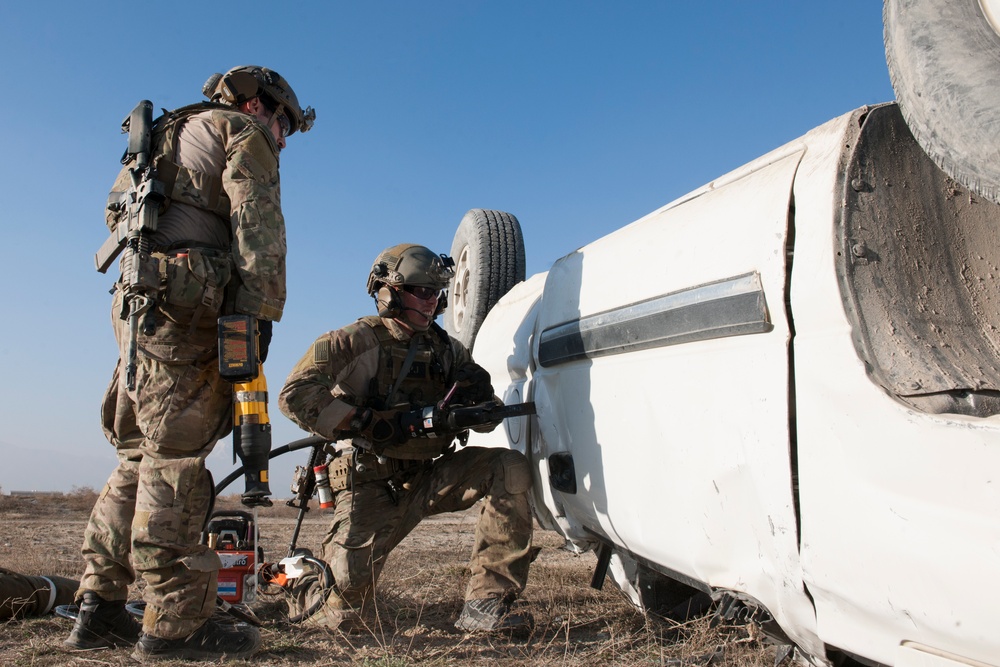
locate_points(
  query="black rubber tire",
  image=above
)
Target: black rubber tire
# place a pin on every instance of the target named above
(944, 63)
(488, 250)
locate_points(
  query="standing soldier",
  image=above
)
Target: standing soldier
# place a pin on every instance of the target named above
(217, 248)
(360, 380)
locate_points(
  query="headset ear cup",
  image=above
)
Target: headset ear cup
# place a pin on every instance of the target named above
(442, 304)
(238, 87)
(389, 304)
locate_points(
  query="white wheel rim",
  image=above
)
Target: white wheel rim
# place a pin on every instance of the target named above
(991, 10)
(460, 292)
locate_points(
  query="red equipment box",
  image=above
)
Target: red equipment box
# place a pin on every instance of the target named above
(231, 535)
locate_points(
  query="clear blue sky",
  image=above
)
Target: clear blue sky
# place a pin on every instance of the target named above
(576, 116)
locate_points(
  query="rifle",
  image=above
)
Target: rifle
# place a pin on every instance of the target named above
(138, 208)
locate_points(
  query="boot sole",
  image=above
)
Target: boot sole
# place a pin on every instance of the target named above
(191, 654)
(95, 646)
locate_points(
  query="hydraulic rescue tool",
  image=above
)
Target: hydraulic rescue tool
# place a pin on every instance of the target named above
(239, 363)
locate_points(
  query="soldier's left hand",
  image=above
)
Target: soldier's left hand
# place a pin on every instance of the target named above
(265, 329)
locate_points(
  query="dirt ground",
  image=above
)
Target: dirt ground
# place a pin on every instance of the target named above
(419, 598)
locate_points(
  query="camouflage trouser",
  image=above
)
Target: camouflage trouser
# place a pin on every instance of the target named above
(156, 501)
(22, 595)
(369, 522)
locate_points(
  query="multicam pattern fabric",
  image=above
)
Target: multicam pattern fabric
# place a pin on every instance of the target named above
(357, 366)
(148, 518)
(150, 513)
(371, 517)
(218, 159)
(258, 227)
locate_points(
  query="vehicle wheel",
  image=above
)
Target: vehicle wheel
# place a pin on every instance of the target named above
(488, 250)
(944, 63)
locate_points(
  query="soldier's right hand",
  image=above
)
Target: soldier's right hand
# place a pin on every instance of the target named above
(380, 427)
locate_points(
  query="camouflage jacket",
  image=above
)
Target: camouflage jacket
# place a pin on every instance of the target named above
(220, 167)
(357, 365)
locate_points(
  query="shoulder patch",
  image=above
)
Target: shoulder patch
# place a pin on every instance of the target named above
(321, 351)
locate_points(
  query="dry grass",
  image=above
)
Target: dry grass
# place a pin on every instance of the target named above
(419, 598)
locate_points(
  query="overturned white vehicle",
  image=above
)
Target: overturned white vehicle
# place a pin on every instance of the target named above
(788, 396)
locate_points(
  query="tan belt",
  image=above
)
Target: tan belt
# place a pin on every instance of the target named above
(353, 467)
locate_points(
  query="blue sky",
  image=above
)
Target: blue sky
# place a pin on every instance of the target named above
(577, 117)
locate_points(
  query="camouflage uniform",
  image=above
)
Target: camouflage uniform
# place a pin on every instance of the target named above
(156, 500)
(356, 366)
(22, 595)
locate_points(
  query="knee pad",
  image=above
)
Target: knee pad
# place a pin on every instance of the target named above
(516, 472)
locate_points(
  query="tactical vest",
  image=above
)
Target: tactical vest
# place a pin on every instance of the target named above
(180, 183)
(426, 382)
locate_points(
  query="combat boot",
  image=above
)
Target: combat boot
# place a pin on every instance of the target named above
(212, 641)
(102, 624)
(347, 621)
(493, 615)
(320, 607)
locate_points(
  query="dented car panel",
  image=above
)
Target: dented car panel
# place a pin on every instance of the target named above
(619, 408)
(900, 506)
(710, 400)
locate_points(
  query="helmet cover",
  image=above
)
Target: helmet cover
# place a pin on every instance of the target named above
(410, 264)
(249, 81)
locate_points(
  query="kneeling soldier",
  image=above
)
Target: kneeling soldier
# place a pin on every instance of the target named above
(360, 381)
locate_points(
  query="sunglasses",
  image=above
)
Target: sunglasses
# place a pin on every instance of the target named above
(422, 293)
(284, 124)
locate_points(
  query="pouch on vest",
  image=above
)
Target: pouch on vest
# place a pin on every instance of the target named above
(193, 284)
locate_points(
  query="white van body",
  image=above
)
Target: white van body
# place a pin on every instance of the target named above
(749, 391)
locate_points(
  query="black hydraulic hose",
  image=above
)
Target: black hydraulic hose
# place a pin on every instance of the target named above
(325, 576)
(295, 445)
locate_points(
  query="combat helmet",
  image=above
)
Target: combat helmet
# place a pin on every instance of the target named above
(408, 264)
(248, 81)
